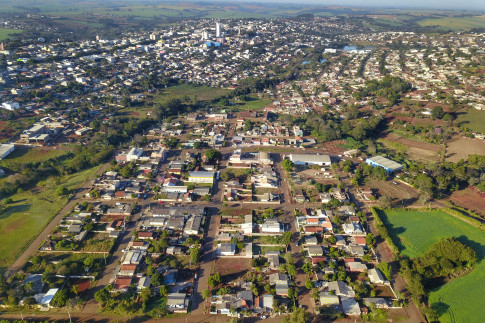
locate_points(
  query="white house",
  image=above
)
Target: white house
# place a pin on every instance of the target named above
(11, 105)
(134, 154)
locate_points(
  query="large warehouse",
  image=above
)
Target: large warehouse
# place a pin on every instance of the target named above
(310, 159)
(389, 165)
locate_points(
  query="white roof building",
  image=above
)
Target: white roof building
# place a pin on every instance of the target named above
(311, 159)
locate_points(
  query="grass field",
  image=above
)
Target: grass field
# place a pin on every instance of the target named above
(6, 32)
(462, 23)
(415, 231)
(29, 213)
(473, 119)
(26, 155)
(203, 93)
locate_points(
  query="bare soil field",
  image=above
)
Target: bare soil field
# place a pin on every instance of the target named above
(471, 199)
(460, 148)
(232, 268)
(401, 194)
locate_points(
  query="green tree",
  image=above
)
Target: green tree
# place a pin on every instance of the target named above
(212, 155)
(60, 298)
(214, 280)
(287, 165)
(195, 255)
(102, 296)
(61, 191)
(385, 268)
(206, 293)
(299, 315)
(437, 112)
(308, 284)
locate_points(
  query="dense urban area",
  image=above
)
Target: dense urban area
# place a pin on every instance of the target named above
(296, 169)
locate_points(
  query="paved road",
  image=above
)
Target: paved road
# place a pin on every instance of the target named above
(36, 244)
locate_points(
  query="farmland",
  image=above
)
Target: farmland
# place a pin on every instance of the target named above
(470, 198)
(415, 231)
(456, 23)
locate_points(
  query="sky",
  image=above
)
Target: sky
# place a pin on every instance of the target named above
(427, 4)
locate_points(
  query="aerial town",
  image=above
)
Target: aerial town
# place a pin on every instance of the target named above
(226, 169)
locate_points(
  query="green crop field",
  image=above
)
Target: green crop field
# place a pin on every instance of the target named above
(30, 211)
(461, 23)
(473, 119)
(415, 231)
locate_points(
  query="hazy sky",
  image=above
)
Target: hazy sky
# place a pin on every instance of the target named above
(432, 4)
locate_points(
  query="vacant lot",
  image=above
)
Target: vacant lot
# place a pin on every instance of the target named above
(30, 211)
(460, 148)
(470, 198)
(202, 93)
(462, 23)
(415, 231)
(415, 150)
(232, 268)
(401, 194)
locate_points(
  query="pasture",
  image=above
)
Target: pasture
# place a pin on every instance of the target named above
(415, 231)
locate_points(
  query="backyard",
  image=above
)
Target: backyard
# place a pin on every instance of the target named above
(415, 231)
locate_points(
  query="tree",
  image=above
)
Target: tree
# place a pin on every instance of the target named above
(299, 315)
(370, 240)
(385, 268)
(287, 165)
(437, 112)
(308, 284)
(214, 280)
(195, 255)
(102, 296)
(291, 269)
(292, 293)
(156, 279)
(206, 293)
(213, 155)
(385, 202)
(61, 191)
(307, 268)
(60, 298)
